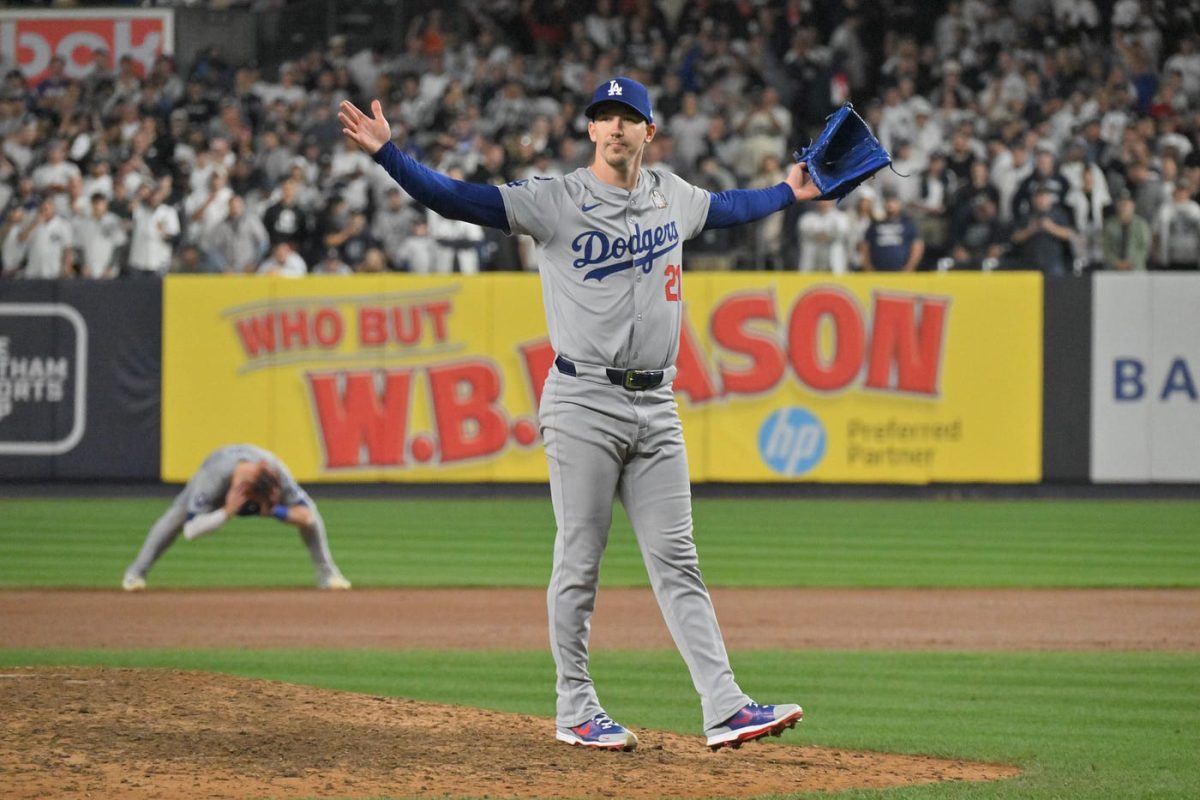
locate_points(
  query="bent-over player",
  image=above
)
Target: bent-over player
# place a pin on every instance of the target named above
(244, 481)
(610, 253)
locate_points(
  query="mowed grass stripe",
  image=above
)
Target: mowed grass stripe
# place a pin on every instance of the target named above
(742, 543)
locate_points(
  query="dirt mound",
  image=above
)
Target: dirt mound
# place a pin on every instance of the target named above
(149, 733)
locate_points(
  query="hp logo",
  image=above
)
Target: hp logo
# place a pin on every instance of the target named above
(791, 441)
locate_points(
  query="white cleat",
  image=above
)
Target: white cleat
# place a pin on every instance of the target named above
(132, 583)
(335, 584)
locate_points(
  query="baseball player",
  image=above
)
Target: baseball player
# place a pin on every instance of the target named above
(610, 239)
(237, 480)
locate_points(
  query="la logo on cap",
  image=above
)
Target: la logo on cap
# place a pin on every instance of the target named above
(614, 88)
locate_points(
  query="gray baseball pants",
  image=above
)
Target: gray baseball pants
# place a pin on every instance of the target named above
(603, 441)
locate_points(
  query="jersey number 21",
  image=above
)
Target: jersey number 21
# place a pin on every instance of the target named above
(674, 273)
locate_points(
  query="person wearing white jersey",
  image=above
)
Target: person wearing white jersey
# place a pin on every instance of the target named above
(239, 480)
(610, 254)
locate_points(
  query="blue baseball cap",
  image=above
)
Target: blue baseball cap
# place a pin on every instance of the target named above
(622, 90)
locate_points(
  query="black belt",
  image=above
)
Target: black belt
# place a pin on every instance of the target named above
(635, 380)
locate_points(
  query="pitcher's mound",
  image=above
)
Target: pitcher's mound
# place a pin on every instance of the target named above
(135, 733)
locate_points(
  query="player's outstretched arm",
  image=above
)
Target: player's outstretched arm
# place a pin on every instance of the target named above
(738, 206)
(479, 203)
(370, 133)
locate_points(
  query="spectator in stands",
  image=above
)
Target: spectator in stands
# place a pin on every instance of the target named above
(1045, 174)
(206, 207)
(156, 230)
(284, 262)
(892, 244)
(1089, 204)
(1127, 237)
(49, 244)
(238, 243)
(766, 235)
(962, 206)
(1043, 235)
(332, 264)
(457, 244)
(12, 253)
(1008, 172)
(99, 234)
(54, 177)
(1176, 243)
(825, 239)
(980, 238)
(286, 219)
(393, 223)
(419, 252)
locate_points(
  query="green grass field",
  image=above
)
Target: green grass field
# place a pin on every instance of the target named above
(1081, 725)
(742, 543)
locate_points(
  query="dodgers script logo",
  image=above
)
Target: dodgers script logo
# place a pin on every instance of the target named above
(594, 247)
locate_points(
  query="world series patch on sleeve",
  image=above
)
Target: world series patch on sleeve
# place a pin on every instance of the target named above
(844, 155)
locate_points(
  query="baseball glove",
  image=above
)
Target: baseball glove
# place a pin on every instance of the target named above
(844, 155)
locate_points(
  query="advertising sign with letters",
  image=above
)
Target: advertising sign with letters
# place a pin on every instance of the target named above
(780, 377)
(1145, 378)
(31, 38)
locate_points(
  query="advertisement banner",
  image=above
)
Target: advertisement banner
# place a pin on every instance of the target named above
(79, 384)
(872, 379)
(781, 377)
(30, 38)
(1146, 369)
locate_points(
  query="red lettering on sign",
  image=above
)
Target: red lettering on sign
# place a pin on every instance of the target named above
(849, 339)
(360, 414)
(731, 329)
(405, 324)
(263, 335)
(74, 36)
(906, 355)
(692, 378)
(257, 334)
(538, 357)
(293, 328)
(439, 313)
(469, 422)
(327, 328)
(372, 326)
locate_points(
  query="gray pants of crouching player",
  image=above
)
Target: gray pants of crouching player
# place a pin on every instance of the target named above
(169, 527)
(604, 441)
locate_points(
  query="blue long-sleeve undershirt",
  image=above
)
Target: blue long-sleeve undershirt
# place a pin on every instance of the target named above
(479, 203)
(746, 205)
(482, 203)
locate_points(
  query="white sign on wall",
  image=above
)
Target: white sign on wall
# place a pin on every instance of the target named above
(1146, 378)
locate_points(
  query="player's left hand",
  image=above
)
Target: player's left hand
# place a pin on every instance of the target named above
(802, 183)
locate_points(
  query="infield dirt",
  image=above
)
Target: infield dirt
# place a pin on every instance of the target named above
(140, 734)
(85, 732)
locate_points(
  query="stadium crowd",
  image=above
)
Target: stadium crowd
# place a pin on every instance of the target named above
(1059, 135)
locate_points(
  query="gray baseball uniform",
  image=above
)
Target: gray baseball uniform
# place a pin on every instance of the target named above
(205, 491)
(611, 283)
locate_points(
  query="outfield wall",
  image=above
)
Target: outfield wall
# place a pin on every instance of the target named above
(939, 378)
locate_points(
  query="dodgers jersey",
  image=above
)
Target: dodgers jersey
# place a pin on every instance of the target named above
(210, 484)
(610, 262)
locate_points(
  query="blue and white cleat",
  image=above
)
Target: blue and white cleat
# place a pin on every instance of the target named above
(754, 722)
(599, 731)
